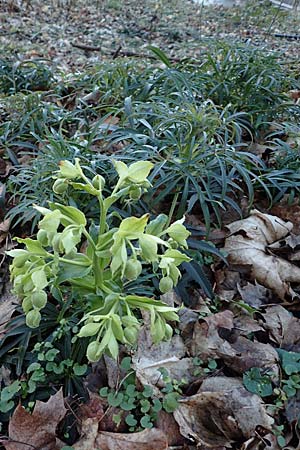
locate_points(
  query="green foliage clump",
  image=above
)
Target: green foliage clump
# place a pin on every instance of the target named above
(24, 76)
(261, 382)
(140, 407)
(54, 264)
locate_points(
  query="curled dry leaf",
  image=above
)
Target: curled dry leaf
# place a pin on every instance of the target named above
(221, 413)
(218, 336)
(37, 429)
(247, 245)
(7, 306)
(254, 295)
(283, 327)
(246, 354)
(144, 440)
(206, 339)
(167, 354)
(4, 229)
(168, 425)
(269, 442)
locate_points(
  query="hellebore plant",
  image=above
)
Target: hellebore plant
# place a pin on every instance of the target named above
(93, 263)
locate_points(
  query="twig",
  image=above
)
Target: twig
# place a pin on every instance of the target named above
(91, 48)
(119, 52)
(274, 18)
(287, 36)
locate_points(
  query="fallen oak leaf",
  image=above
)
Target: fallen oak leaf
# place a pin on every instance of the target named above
(218, 336)
(246, 354)
(282, 326)
(150, 358)
(247, 245)
(143, 440)
(206, 339)
(260, 227)
(36, 430)
(221, 413)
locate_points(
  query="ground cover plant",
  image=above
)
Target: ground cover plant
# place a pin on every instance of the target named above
(150, 229)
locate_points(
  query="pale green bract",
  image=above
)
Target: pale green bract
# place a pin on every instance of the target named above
(113, 256)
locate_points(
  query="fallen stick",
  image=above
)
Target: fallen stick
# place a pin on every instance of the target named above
(287, 36)
(90, 48)
(118, 52)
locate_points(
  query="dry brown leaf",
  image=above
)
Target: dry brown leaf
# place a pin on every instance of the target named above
(97, 408)
(262, 228)
(4, 229)
(245, 324)
(206, 339)
(257, 149)
(7, 306)
(218, 336)
(245, 354)
(258, 443)
(294, 94)
(254, 295)
(288, 212)
(247, 245)
(36, 429)
(89, 434)
(144, 440)
(168, 425)
(283, 327)
(222, 412)
(168, 354)
(292, 410)
(5, 167)
(188, 319)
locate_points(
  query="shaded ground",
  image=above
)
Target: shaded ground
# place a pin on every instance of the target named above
(51, 29)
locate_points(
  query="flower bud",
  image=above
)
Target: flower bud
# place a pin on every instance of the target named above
(98, 182)
(165, 284)
(94, 351)
(68, 170)
(59, 186)
(170, 315)
(33, 318)
(27, 304)
(168, 331)
(90, 329)
(42, 237)
(133, 269)
(130, 321)
(19, 261)
(135, 193)
(39, 299)
(131, 334)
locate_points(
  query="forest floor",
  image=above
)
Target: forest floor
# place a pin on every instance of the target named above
(52, 30)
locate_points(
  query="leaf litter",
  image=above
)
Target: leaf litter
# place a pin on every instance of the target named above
(38, 429)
